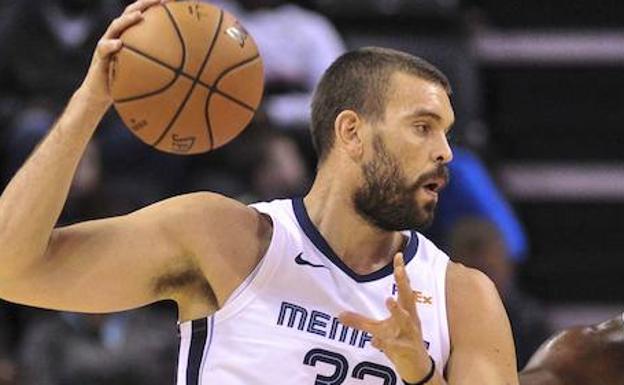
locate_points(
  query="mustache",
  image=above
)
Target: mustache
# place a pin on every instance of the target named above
(441, 172)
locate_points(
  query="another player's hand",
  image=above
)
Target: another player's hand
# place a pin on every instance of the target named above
(398, 336)
(95, 84)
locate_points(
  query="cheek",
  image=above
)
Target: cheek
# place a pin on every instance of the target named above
(409, 152)
(414, 165)
(411, 149)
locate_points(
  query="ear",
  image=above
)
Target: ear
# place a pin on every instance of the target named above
(348, 131)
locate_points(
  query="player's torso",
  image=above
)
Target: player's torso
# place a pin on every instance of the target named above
(281, 325)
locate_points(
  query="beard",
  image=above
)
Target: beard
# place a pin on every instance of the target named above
(387, 200)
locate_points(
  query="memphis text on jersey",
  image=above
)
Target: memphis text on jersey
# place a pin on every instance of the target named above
(322, 324)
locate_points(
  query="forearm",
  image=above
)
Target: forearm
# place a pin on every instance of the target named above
(33, 200)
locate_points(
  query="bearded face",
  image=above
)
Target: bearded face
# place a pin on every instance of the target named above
(387, 199)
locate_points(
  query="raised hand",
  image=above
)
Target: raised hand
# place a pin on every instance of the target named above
(96, 82)
(398, 336)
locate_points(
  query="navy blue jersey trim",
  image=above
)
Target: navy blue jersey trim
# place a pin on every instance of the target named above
(199, 329)
(321, 244)
(212, 320)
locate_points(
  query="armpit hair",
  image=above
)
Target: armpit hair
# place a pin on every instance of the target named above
(190, 279)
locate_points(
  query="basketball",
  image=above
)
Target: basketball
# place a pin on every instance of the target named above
(188, 78)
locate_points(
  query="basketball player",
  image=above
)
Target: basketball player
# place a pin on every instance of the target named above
(580, 356)
(334, 288)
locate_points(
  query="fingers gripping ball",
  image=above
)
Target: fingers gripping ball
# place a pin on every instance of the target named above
(188, 78)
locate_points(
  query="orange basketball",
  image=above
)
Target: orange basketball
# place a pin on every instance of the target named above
(188, 78)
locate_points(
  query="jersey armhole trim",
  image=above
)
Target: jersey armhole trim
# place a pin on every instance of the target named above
(253, 283)
(262, 274)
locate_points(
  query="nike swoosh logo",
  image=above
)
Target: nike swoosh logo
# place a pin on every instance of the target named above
(300, 261)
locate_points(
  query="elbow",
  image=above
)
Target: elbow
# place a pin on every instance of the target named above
(17, 258)
(11, 265)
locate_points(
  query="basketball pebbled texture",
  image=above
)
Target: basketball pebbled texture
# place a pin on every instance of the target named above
(188, 78)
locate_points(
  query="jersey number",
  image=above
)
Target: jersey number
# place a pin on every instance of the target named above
(342, 368)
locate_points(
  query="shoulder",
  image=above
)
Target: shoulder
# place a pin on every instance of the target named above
(472, 300)
(468, 284)
(428, 250)
(561, 359)
(224, 238)
(469, 294)
(200, 201)
(561, 349)
(581, 355)
(204, 208)
(565, 350)
(209, 223)
(480, 333)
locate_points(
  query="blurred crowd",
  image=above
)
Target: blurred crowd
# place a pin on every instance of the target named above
(45, 48)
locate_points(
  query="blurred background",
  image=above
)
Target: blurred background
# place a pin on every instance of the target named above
(537, 193)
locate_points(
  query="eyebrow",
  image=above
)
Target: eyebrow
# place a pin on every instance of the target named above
(423, 112)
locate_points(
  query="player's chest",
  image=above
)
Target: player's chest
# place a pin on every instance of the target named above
(305, 304)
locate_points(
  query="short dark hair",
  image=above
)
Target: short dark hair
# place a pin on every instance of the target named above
(359, 80)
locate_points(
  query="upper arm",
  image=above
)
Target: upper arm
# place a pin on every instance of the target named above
(120, 263)
(482, 349)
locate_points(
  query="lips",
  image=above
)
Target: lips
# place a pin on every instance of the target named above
(435, 185)
(436, 180)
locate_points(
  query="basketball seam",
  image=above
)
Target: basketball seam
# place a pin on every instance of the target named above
(176, 71)
(207, 117)
(229, 70)
(216, 84)
(190, 92)
(232, 68)
(179, 73)
(180, 37)
(151, 93)
(228, 96)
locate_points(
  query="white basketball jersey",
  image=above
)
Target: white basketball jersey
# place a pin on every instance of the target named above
(280, 326)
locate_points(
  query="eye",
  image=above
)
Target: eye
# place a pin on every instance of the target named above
(421, 128)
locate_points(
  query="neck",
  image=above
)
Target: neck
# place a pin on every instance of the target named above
(360, 245)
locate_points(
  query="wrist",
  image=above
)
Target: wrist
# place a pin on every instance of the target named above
(93, 100)
(82, 115)
(428, 377)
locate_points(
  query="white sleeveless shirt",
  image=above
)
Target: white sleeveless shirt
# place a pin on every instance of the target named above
(280, 326)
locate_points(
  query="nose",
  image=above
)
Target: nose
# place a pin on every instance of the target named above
(442, 152)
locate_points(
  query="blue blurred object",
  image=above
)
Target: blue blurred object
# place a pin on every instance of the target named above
(472, 192)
